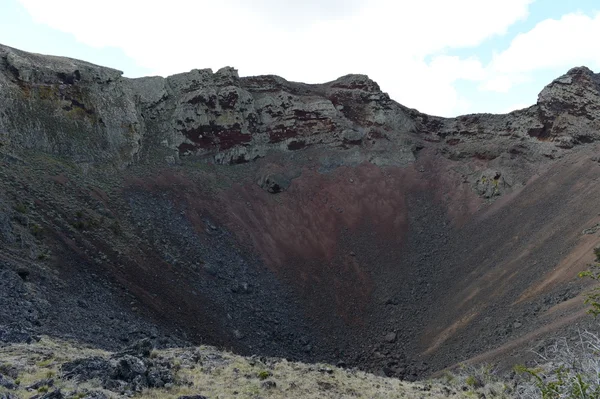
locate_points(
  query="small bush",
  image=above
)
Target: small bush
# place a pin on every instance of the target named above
(21, 207)
(263, 375)
(592, 298)
(79, 225)
(45, 363)
(473, 382)
(36, 230)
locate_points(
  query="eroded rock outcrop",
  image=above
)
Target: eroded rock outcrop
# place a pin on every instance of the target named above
(92, 114)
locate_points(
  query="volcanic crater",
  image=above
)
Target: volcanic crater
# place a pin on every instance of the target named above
(312, 222)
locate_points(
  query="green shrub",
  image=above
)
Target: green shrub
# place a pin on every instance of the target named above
(36, 229)
(79, 225)
(263, 375)
(471, 381)
(592, 298)
(45, 363)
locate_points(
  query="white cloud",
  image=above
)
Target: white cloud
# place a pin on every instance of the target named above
(500, 84)
(550, 45)
(311, 41)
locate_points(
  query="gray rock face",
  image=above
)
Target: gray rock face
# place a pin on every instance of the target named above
(67, 107)
(569, 107)
(92, 114)
(7, 382)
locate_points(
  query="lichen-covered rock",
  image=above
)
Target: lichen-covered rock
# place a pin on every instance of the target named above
(92, 114)
(128, 370)
(87, 369)
(7, 382)
(67, 107)
(570, 108)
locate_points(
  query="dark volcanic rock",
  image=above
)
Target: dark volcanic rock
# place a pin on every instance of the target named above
(141, 348)
(87, 369)
(7, 382)
(48, 382)
(91, 395)
(123, 372)
(130, 369)
(11, 335)
(274, 183)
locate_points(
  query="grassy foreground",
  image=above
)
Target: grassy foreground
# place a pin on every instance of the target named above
(41, 370)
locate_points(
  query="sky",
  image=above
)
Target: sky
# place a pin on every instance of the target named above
(442, 57)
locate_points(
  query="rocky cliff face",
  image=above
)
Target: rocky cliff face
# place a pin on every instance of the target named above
(317, 222)
(92, 114)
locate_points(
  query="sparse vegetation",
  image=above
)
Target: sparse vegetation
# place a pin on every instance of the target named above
(568, 369)
(592, 298)
(215, 374)
(36, 230)
(477, 381)
(21, 208)
(263, 375)
(565, 370)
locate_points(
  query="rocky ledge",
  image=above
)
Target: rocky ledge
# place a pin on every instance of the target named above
(91, 113)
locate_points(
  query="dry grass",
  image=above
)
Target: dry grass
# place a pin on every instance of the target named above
(217, 374)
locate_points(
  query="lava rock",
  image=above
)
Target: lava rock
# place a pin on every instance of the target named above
(87, 369)
(41, 383)
(159, 375)
(90, 395)
(269, 384)
(14, 336)
(141, 348)
(390, 337)
(274, 183)
(129, 369)
(7, 382)
(56, 394)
